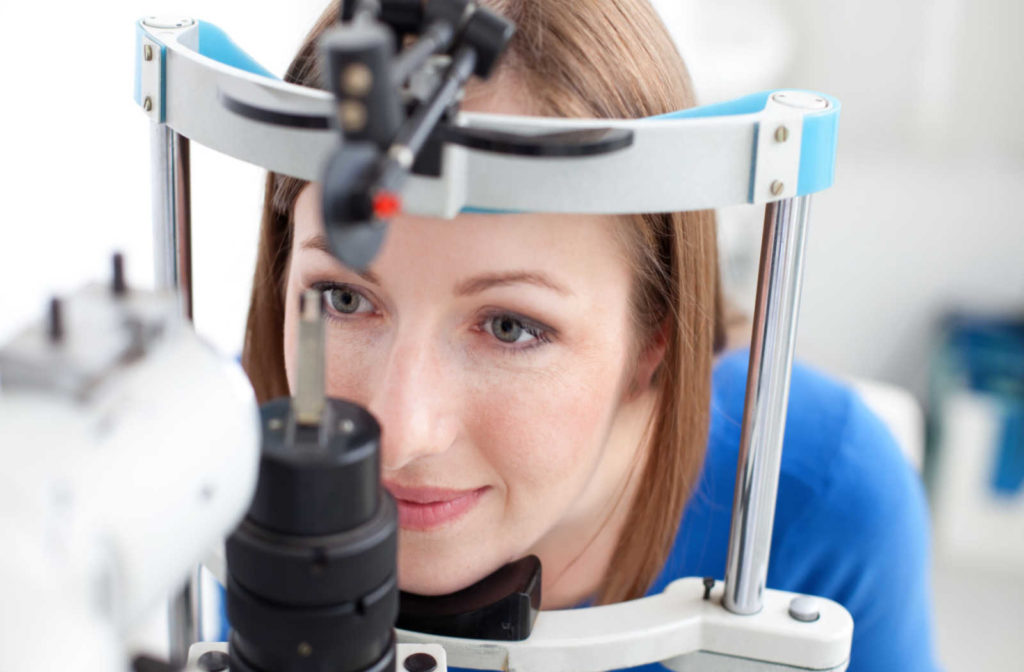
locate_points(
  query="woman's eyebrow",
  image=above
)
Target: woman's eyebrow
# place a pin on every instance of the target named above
(319, 242)
(479, 283)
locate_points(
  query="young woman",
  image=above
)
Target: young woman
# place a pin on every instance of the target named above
(548, 384)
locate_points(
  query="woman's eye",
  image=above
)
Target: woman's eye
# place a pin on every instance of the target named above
(510, 329)
(346, 300)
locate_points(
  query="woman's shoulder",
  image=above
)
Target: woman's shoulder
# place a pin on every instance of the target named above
(832, 439)
(837, 454)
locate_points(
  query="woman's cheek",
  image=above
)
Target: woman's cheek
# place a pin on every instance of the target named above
(542, 432)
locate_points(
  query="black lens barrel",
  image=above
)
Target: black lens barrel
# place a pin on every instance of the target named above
(311, 570)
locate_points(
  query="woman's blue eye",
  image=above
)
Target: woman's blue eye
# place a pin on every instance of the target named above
(510, 329)
(506, 328)
(345, 300)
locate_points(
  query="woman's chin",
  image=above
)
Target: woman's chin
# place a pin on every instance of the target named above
(438, 577)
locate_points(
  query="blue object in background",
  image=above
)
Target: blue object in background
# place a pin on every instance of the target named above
(986, 355)
(1008, 474)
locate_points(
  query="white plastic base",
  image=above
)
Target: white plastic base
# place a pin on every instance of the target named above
(671, 628)
(403, 652)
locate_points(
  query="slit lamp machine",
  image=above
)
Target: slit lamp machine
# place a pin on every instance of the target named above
(119, 498)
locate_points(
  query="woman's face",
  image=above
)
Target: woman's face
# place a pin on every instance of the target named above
(497, 353)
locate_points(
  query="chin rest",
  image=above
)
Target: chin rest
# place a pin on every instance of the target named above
(502, 606)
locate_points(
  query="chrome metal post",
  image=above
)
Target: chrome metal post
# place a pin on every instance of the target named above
(172, 255)
(183, 619)
(172, 217)
(764, 414)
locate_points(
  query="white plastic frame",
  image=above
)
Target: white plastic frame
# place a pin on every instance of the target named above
(726, 160)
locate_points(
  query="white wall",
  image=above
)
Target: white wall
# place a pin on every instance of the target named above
(75, 172)
(925, 213)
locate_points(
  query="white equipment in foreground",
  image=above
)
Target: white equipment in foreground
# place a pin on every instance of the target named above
(130, 449)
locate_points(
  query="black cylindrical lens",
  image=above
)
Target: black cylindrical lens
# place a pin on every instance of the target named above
(311, 570)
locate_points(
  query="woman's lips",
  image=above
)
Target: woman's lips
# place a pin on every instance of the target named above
(427, 508)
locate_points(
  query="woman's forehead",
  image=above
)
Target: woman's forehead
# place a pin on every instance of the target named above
(573, 247)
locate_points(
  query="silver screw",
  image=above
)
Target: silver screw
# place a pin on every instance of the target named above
(147, 52)
(353, 115)
(275, 424)
(347, 426)
(305, 650)
(147, 104)
(777, 187)
(356, 79)
(781, 134)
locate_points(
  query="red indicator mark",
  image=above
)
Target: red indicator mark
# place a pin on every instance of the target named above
(386, 205)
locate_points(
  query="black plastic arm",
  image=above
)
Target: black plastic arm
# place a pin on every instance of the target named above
(582, 142)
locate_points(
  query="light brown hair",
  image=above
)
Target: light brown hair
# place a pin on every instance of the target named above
(577, 58)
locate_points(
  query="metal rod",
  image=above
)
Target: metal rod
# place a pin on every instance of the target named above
(435, 39)
(414, 133)
(764, 415)
(172, 216)
(309, 393)
(183, 619)
(417, 129)
(172, 263)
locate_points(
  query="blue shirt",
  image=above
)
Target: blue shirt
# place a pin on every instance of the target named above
(851, 523)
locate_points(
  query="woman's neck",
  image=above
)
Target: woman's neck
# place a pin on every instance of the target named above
(577, 555)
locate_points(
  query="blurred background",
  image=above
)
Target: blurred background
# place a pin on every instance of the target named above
(914, 286)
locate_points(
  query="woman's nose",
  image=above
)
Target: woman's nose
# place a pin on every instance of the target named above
(414, 402)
